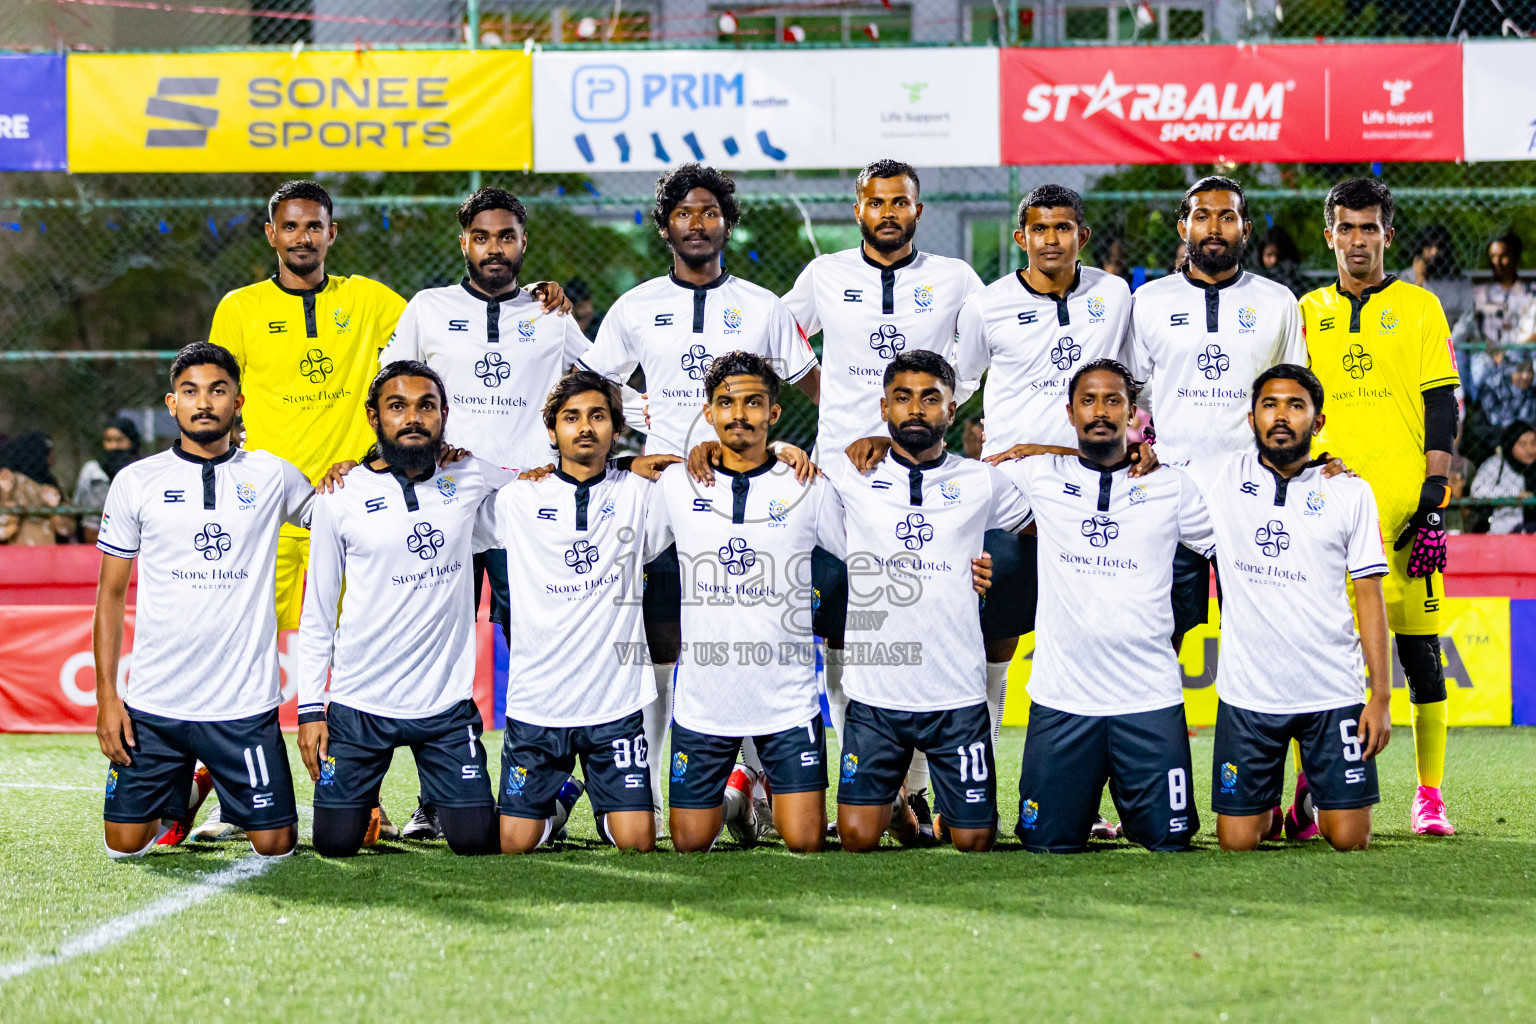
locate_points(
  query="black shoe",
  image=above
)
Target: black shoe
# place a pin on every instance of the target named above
(423, 824)
(919, 804)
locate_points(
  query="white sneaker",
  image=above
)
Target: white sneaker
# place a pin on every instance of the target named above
(216, 830)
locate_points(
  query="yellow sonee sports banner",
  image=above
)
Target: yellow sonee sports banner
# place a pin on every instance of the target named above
(272, 111)
(1475, 649)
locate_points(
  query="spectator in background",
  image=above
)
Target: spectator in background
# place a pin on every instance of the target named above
(1500, 309)
(971, 437)
(1510, 473)
(1115, 260)
(120, 443)
(582, 307)
(1509, 399)
(1280, 260)
(1435, 268)
(26, 481)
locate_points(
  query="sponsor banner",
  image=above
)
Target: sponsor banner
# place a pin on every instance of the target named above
(271, 111)
(48, 672)
(1240, 104)
(32, 112)
(1499, 91)
(752, 110)
(1475, 646)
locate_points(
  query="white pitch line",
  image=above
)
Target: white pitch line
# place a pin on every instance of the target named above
(119, 928)
(46, 785)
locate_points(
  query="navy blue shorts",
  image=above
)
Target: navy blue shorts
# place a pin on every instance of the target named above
(829, 607)
(1008, 608)
(537, 759)
(662, 601)
(794, 760)
(1248, 761)
(450, 759)
(246, 757)
(1191, 590)
(877, 751)
(1067, 760)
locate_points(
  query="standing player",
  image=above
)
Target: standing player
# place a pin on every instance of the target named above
(744, 542)
(1199, 336)
(919, 517)
(576, 680)
(1381, 348)
(389, 617)
(1107, 699)
(672, 328)
(202, 519)
(1286, 539)
(871, 304)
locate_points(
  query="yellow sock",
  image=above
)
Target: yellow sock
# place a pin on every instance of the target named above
(1296, 755)
(1429, 741)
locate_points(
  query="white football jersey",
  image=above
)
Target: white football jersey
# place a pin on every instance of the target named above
(1201, 346)
(1033, 343)
(867, 313)
(744, 546)
(1284, 549)
(394, 555)
(1105, 564)
(575, 559)
(205, 534)
(499, 359)
(673, 331)
(912, 531)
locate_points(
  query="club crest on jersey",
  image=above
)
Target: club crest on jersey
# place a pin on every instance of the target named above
(327, 771)
(525, 329)
(425, 541)
(887, 341)
(1357, 361)
(923, 296)
(1213, 362)
(1229, 778)
(950, 490)
(914, 531)
(211, 542)
(517, 778)
(1388, 319)
(446, 486)
(606, 512)
(316, 366)
(1100, 530)
(737, 557)
(246, 492)
(1029, 814)
(582, 556)
(1065, 353)
(733, 320)
(1315, 502)
(111, 783)
(777, 510)
(342, 319)
(696, 362)
(1138, 494)
(492, 369)
(850, 768)
(679, 766)
(1096, 307)
(1272, 538)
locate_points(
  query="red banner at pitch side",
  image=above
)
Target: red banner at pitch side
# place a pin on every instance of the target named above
(1238, 104)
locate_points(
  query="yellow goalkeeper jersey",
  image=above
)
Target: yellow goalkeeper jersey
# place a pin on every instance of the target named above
(1376, 356)
(306, 360)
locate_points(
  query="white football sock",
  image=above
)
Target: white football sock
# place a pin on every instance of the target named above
(837, 700)
(917, 774)
(119, 855)
(749, 755)
(657, 716)
(997, 692)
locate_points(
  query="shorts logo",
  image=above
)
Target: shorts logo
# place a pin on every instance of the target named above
(212, 542)
(696, 362)
(493, 369)
(1100, 530)
(737, 557)
(327, 772)
(887, 341)
(733, 319)
(111, 783)
(1354, 776)
(525, 329)
(914, 532)
(316, 366)
(582, 557)
(850, 768)
(425, 541)
(1357, 362)
(246, 493)
(1029, 814)
(1096, 306)
(777, 510)
(950, 490)
(679, 766)
(1213, 362)
(1388, 319)
(1229, 778)
(446, 486)
(1247, 317)
(342, 319)
(1315, 502)
(1138, 494)
(1065, 353)
(923, 296)
(517, 778)
(1272, 538)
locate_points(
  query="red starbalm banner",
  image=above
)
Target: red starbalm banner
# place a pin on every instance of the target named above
(1232, 104)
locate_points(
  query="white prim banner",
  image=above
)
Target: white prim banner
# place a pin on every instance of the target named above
(751, 110)
(1499, 99)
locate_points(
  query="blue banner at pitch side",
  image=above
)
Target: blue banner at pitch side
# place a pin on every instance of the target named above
(32, 113)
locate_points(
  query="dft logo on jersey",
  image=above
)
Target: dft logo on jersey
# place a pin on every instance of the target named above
(914, 532)
(695, 362)
(525, 330)
(246, 492)
(777, 510)
(737, 557)
(446, 486)
(1213, 362)
(923, 296)
(887, 341)
(212, 542)
(316, 366)
(1388, 319)
(1065, 353)
(1272, 538)
(492, 370)
(342, 319)
(1096, 308)
(1357, 362)
(1138, 494)
(582, 556)
(733, 321)
(425, 541)
(1100, 530)
(950, 490)
(1315, 502)
(1247, 317)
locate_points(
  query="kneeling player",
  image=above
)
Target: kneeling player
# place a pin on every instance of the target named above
(202, 519)
(1108, 704)
(1286, 537)
(392, 550)
(576, 674)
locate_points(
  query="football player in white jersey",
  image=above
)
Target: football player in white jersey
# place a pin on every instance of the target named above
(1287, 537)
(870, 304)
(1107, 697)
(672, 328)
(202, 520)
(1199, 336)
(398, 544)
(913, 525)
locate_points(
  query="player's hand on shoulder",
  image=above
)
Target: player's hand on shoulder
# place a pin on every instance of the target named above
(797, 459)
(650, 466)
(981, 573)
(551, 296)
(703, 460)
(867, 452)
(1027, 451)
(450, 455)
(335, 477)
(1143, 460)
(1333, 466)
(538, 473)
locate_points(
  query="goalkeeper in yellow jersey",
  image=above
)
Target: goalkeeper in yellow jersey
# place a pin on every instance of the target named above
(1382, 349)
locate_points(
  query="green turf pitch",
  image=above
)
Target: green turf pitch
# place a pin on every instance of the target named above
(1414, 929)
